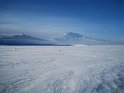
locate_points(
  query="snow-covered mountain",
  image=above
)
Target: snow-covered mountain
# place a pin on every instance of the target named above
(78, 39)
(22, 39)
(65, 39)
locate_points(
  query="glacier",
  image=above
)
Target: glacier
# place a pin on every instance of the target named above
(62, 69)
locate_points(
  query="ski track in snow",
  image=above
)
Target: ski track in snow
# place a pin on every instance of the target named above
(62, 69)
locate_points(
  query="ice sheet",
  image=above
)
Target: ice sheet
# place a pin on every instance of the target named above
(62, 69)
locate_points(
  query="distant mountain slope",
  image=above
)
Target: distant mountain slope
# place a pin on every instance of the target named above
(22, 39)
(75, 38)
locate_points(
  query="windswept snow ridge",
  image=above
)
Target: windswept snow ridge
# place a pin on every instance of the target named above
(62, 69)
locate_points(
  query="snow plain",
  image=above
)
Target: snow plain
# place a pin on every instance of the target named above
(62, 69)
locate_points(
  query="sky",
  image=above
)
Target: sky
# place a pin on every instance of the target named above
(51, 18)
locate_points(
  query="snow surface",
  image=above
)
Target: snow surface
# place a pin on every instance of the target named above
(62, 69)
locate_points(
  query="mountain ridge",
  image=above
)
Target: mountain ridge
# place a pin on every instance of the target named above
(73, 38)
(22, 39)
(69, 38)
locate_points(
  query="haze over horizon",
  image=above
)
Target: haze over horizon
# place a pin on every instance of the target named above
(46, 18)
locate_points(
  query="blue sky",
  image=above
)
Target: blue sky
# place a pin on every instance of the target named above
(48, 18)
